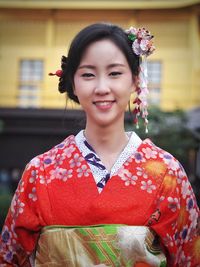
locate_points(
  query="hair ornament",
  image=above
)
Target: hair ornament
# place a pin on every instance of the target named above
(142, 46)
(58, 73)
(61, 74)
(142, 41)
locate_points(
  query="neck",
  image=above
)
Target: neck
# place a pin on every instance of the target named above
(110, 138)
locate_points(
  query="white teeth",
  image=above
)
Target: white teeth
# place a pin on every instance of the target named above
(103, 103)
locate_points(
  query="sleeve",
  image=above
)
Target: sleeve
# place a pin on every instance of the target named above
(176, 218)
(21, 229)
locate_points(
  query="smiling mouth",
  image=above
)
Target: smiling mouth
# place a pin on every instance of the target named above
(103, 103)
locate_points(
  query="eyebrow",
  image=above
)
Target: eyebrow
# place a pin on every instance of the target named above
(109, 66)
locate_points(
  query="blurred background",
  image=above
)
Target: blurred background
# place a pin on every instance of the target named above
(34, 116)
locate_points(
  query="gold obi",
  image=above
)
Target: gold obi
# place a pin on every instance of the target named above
(99, 245)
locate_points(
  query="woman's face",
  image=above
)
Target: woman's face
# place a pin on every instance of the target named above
(103, 83)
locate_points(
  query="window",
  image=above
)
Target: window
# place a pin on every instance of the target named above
(154, 81)
(30, 82)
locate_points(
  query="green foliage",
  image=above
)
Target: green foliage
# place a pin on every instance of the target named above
(168, 130)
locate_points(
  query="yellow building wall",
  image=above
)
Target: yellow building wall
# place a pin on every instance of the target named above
(46, 34)
(177, 38)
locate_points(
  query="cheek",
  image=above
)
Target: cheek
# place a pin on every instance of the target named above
(81, 91)
(77, 85)
(130, 87)
(130, 82)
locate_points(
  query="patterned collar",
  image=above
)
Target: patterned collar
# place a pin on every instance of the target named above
(99, 171)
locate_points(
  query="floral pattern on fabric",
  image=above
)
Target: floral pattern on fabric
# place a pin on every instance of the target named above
(99, 171)
(58, 188)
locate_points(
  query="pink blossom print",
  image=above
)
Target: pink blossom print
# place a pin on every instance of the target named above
(148, 186)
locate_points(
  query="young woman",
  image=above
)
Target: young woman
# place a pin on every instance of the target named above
(103, 197)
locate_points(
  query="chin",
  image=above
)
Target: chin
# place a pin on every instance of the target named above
(106, 120)
(107, 123)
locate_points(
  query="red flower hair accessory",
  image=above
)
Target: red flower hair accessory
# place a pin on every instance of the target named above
(58, 73)
(142, 46)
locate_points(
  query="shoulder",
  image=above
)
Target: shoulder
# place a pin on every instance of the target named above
(148, 143)
(152, 152)
(48, 158)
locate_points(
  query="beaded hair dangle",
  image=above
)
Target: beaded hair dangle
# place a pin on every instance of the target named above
(142, 46)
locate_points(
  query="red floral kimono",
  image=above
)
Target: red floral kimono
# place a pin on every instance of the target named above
(150, 189)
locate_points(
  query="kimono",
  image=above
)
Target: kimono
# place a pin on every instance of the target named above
(147, 187)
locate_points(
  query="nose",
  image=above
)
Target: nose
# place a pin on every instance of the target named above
(102, 86)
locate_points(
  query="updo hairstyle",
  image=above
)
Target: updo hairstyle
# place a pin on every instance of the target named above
(82, 40)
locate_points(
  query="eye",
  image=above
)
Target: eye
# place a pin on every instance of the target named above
(87, 75)
(115, 73)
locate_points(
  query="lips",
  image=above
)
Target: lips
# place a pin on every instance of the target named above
(104, 104)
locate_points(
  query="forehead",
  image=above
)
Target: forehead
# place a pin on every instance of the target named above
(103, 50)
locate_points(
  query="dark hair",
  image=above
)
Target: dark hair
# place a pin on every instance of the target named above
(85, 37)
